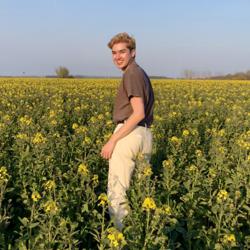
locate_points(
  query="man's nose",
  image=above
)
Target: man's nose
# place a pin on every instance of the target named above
(117, 56)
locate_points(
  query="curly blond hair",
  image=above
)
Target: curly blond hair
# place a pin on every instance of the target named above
(123, 38)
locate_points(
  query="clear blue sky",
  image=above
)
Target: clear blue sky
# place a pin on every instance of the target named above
(172, 35)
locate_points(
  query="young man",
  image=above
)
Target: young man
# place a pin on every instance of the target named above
(133, 114)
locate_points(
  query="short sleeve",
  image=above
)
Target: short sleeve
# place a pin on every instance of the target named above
(134, 84)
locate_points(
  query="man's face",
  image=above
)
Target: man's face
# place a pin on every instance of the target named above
(122, 55)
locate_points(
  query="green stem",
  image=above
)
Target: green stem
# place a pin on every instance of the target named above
(146, 233)
(101, 247)
(30, 229)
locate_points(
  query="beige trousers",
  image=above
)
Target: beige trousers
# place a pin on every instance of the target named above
(121, 166)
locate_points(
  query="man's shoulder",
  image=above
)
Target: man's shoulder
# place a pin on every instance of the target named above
(135, 70)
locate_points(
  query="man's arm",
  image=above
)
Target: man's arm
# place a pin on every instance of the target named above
(137, 115)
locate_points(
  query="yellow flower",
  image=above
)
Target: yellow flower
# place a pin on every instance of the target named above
(6, 118)
(56, 134)
(147, 171)
(109, 122)
(79, 129)
(103, 199)
(237, 194)
(167, 164)
(229, 240)
(50, 184)
(22, 136)
(222, 150)
(77, 108)
(107, 136)
(198, 153)
(52, 114)
(2, 125)
(221, 132)
(35, 196)
(194, 132)
(87, 140)
(167, 210)
(172, 114)
(248, 158)
(53, 122)
(212, 172)
(95, 179)
(175, 140)
(75, 126)
(39, 139)
(100, 117)
(25, 120)
(148, 204)
(222, 196)
(185, 133)
(4, 176)
(51, 207)
(82, 169)
(116, 238)
(192, 168)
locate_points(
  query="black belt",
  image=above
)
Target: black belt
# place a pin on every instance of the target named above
(141, 125)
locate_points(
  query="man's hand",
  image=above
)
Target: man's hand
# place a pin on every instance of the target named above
(107, 149)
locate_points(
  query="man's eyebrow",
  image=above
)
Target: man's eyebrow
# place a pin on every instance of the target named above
(115, 51)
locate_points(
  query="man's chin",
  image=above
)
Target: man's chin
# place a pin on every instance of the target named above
(121, 66)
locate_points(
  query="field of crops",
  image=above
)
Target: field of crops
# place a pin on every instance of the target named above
(194, 195)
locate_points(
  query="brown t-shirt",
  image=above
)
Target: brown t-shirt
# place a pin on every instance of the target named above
(135, 82)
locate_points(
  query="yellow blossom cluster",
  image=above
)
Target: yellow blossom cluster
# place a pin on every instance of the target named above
(95, 180)
(244, 140)
(167, 163)
(185, 132)
(175, 140)
(222, 196)
(39, 138)
(212, 172)
(75, 126)
(198, 153)
(229, 240)
(174, 114)
(4, 176)
(87, 140)
(116, 238)
(6, 118)
(79, 129)
(25, 120)
(35, 196)
(165, 210)
(53, 122)
(148, 204)
(52, 114)
(192, 168)
(103, 199)
(49, 185)
(82, 169)
(109, 123)
(216, 132)
(22, 136)
(51, 207)
(147, 171)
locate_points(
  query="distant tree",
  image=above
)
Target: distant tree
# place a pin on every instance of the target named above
(248, 74)
(236, 76)
(62, 72)
(188, 74)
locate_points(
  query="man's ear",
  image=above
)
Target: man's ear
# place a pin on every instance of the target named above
(133, 53)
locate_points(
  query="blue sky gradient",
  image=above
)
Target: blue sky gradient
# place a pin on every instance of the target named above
(203, 36)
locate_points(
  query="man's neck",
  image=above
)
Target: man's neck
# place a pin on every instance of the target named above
(130, 62)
